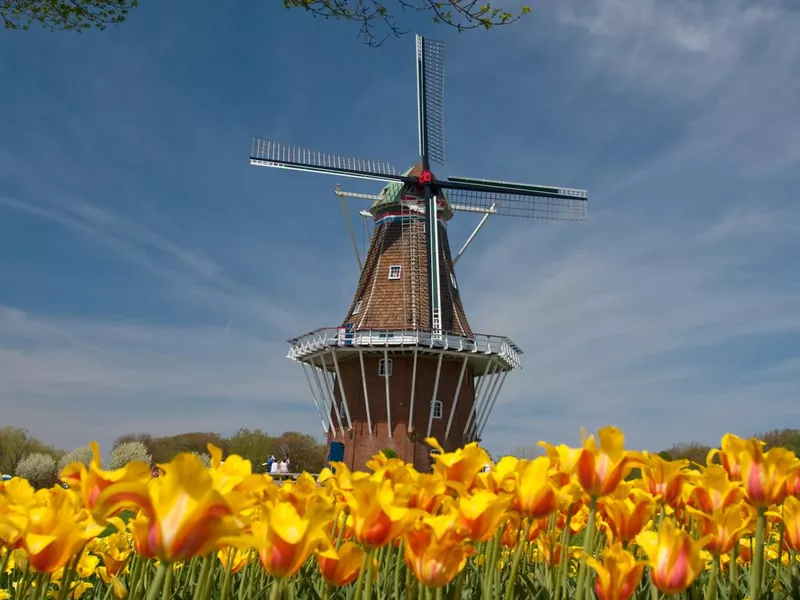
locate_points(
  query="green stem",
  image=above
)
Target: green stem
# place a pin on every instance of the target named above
(561, 580)
(398, 562)
(521, 541)
(459, 587)
(199, 591)
(779, 566)
(275, 590)
(711, 586)
(362, 573)
(67, 575)
(158, 582)
(733, 574)
(588, 544)
(757, 565)
(440, 593)
(166, 591)
(226, 583)
(4, 566)
(370, 578)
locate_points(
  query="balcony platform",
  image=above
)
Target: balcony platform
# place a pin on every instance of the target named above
(498, 349)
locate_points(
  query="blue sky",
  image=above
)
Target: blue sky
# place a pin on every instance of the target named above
(149, 276)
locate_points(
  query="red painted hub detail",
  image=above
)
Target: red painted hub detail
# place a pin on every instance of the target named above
(425, 177)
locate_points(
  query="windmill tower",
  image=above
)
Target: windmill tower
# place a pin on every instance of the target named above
(404, 363)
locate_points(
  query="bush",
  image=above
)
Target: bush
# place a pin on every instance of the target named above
(81, 454)
(204, 457)
(38, 468)
(129, 452)
(389, 453)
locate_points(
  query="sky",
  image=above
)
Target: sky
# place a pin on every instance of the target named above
(150, 277)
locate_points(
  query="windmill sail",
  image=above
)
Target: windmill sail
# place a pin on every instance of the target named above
(430, 99)
(269, 153)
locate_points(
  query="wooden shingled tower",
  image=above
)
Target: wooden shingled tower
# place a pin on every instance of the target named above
(404, 364)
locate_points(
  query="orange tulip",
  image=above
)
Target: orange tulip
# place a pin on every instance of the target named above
(600, 470)
(674, 557)
(618, 573)
(435, 552)
(664, 478)
(793, 485)
(341, 567)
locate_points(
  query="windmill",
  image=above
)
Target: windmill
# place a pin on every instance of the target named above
(404, 364)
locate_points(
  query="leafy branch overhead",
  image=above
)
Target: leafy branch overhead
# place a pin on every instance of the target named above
(379, 18)
(64, 15)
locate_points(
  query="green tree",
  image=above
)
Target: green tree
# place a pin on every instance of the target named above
(16, 443)
(64, 15)
(377, 19)
(304, 451)
(81, 454)
(252, 444)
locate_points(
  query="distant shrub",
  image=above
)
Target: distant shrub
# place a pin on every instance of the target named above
(127, 452)
(81, 454)
(204, 457)
(38, 468)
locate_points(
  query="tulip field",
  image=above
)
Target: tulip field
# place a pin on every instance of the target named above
(596, 521)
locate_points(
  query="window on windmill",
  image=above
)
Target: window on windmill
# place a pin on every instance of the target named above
(394, 272)
(437, 409)
(453, 281)
(385, 367)
(357, 307)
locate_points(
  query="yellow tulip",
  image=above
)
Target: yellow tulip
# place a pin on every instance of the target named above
(791, 523)
(536, 494)
(674, 557)
(182, 515)
(377, 514)
(764, 474)
(713, 490)
(341, 567)
(435, 552)
(90, 482)
(286, 539)
(618, 573)
(460, 468)
(481, 513)
(57, 528)
(599, 470)
(664, 478)
(628, 515)
(722, 528)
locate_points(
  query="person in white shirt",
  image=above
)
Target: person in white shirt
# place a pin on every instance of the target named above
(274, 468)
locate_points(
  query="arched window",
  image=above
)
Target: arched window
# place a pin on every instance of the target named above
(385, 367)
(437, 408)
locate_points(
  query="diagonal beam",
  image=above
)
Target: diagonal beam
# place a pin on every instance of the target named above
(349, 226)
(477, 229)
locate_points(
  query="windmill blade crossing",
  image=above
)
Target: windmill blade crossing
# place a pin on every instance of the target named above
(269, 153)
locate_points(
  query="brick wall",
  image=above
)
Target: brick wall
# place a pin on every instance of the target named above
(407, 439)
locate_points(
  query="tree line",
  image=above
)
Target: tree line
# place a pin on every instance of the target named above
(24, 455)
(41, 463)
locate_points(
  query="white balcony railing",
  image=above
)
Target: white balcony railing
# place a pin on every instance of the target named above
(326, 338)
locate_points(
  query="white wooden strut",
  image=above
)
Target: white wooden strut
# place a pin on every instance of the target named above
(413, 390)
(314, 397)
(388, 402)
(329, 387)
(479, 433)
(341, 390)
(455, 397)
(486, 400)
(366, 394)
(435, 391)
(478, 389)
